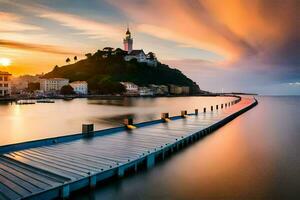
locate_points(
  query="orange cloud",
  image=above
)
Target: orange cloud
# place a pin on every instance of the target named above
(234, 29)
(36, 47)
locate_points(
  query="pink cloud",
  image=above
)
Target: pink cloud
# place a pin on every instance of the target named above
(11, 22)
(93, 29)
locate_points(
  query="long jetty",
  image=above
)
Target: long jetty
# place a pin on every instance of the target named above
(55, 167)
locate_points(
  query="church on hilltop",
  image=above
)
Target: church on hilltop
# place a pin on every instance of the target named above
(137, 54)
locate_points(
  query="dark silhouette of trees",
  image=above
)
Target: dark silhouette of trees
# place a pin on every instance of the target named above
(88, 55)
(151, 56)
(67, 90)
(108, 49)
(68, 60)
(33, 86)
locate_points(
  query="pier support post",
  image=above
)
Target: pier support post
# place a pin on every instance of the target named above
(128, 122)
(225, 105)
(221, 106)
(93, 181)
(211, 108)
(121, 171)
(183, 113)
(65, 191)
(217, 107)
(165, 117)
(135, 167)
(150, 161)
(204, 110)
(196, 111)
(88, 129)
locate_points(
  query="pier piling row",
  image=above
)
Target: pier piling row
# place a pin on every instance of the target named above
(55, 167)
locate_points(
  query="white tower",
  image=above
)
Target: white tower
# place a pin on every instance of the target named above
(128, 41)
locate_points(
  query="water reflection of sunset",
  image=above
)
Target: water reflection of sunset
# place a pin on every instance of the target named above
(29, 121)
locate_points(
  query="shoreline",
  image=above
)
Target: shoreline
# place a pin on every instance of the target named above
(71, 97)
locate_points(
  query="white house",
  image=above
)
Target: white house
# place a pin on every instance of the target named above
(80, 87)
(5, 84)
(131, 88)
(53, 84)
(136, 54)
(145, 91)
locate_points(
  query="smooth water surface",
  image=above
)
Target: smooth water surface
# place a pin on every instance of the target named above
(19, 123)
(255, 156)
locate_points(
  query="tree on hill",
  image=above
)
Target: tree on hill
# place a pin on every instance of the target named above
(88, 55)
(55, 67)
(67, 90)
(151, 56)
(110, 87)
(68, 60)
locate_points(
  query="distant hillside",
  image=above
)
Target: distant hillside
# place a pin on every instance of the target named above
(111, 68)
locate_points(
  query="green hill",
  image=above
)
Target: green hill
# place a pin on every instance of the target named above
(104, 70)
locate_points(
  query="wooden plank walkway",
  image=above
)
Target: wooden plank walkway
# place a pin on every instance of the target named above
(50, 171)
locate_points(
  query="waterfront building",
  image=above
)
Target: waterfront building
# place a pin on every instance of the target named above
(174, 89)
(53, 84)
(159, 89)
(131, 88)
(20, 83)
(185, 90)
(80, 87)
(164, 89)
(145, 91)
(5, 84)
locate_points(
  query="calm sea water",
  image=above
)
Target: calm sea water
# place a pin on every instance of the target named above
(255, 156)
(19, 123)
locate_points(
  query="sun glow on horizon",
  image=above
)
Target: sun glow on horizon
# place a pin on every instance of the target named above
(5, 62)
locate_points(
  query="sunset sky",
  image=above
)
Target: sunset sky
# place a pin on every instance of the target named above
(234, 45)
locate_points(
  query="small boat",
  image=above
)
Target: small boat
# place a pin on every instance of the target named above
(25, 102)
(45, 101)
(68, 98)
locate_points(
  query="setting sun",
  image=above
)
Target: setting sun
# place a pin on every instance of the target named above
(5, 62)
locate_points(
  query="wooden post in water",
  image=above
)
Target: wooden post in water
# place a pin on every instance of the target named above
(204, 110)
(196, 111)
(211, 108)
(88, 129)
(217, 107)
(183, 113)
(221, 106)
(128, 122)
(165, 117)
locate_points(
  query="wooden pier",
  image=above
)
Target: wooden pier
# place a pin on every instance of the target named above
(55, 167)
